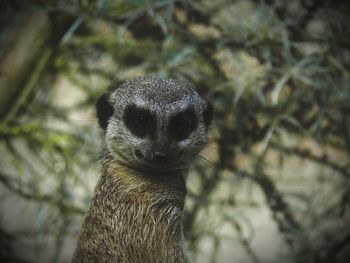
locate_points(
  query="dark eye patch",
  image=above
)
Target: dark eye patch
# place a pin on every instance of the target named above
(103, 110)
(183, 124)
(140, 122)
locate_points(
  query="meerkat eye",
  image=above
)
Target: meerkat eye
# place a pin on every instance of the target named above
(140, 122)
(183, 124)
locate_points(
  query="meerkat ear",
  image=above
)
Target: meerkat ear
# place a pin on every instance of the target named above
(104, 110)
(208, 114)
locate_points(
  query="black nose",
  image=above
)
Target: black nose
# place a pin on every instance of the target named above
(160, 157)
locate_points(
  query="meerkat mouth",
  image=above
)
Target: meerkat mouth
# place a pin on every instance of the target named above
(164, 163)
(157, 167)
(140, 164)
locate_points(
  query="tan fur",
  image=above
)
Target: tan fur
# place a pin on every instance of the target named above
(134, 218)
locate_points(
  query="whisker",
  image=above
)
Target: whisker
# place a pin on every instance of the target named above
(211, 146)
(205, 160)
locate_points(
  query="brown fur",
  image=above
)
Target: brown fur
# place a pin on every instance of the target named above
(134, 218)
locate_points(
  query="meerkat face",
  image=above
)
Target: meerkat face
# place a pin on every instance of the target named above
(153, 123)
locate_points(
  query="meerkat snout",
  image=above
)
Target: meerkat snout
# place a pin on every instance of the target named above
(162, 123)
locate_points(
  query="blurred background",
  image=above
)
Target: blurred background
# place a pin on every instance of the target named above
(274, 183)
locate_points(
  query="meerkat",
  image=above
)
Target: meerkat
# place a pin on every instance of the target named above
(153, 128)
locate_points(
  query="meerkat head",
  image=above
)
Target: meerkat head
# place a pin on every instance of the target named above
(154, 124)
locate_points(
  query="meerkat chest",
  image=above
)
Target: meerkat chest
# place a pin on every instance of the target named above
(137, 233)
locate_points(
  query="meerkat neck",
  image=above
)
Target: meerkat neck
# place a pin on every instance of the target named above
(137, 214)
(150, 187)
(134, 186)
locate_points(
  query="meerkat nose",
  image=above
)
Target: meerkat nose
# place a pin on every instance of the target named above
(160, 156)
(160, 153)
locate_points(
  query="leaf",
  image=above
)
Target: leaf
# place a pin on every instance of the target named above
(278, 87)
